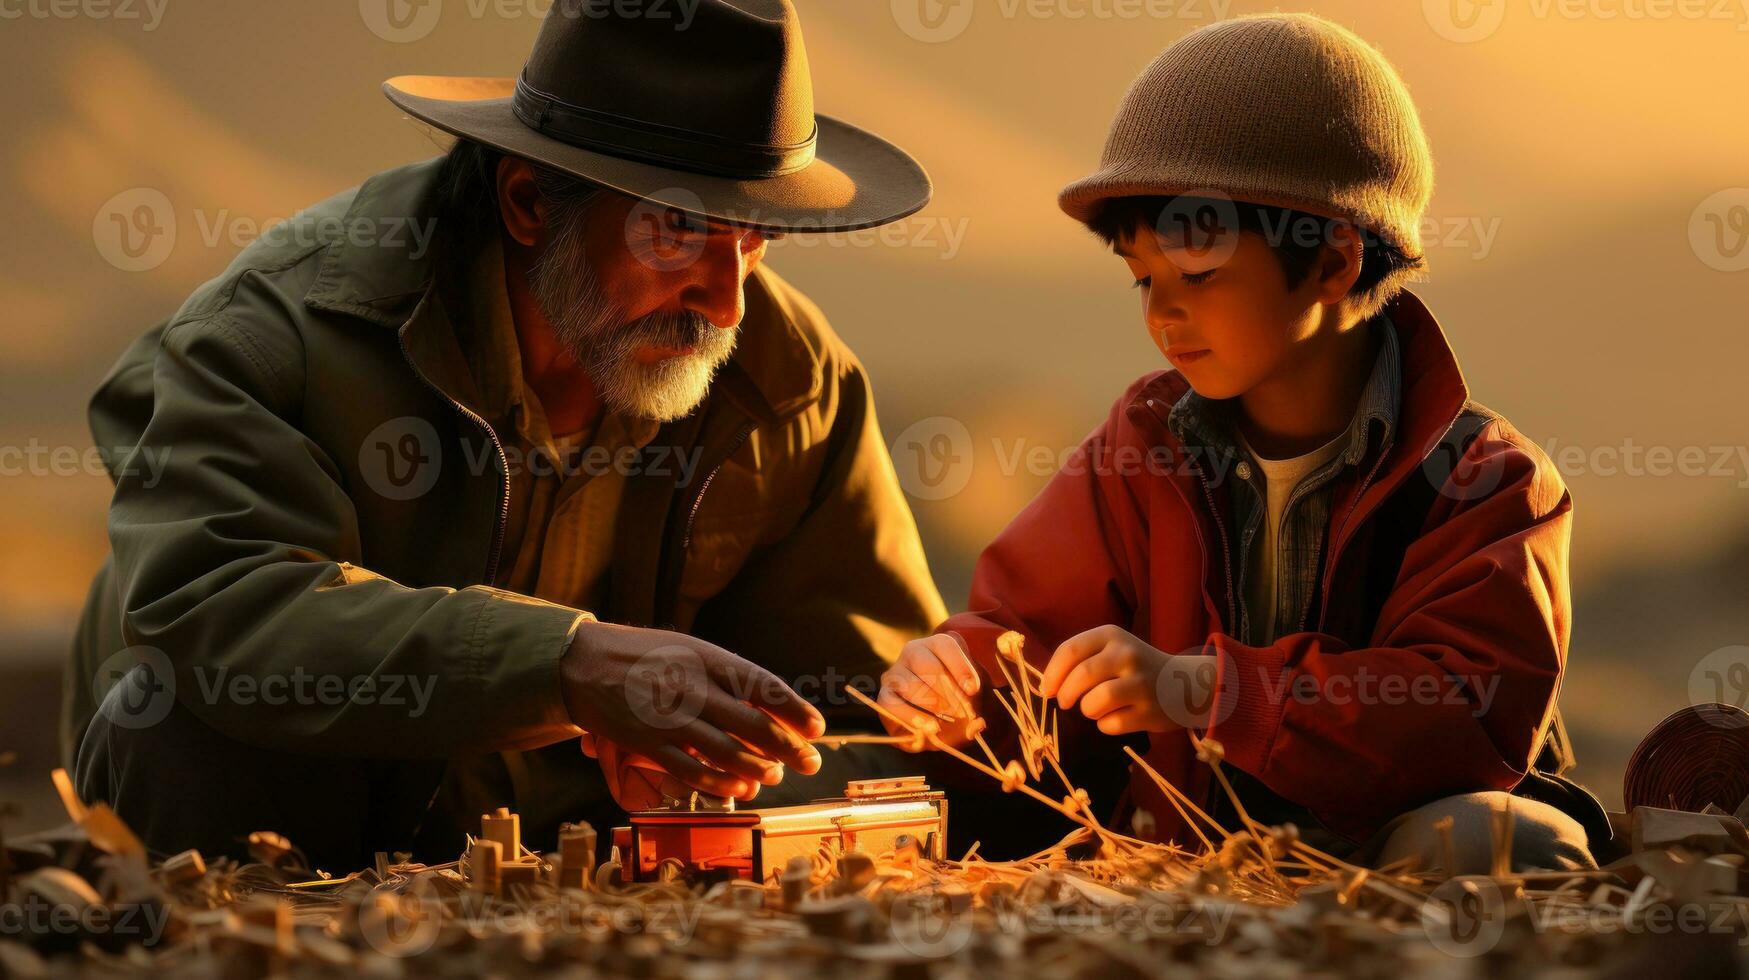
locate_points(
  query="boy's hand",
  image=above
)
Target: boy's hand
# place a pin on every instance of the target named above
(933, 677)
(1128, 686)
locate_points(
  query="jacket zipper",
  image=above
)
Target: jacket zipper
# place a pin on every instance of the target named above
(1202, 541)
(1330, 565)
(503, 461)
(1226, 555)
(741, 436)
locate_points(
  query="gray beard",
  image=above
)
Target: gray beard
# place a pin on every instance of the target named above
(587, 324)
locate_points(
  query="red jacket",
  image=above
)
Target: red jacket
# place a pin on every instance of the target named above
(1463, 653)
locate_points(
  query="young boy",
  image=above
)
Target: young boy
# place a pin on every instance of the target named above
(1305, 543)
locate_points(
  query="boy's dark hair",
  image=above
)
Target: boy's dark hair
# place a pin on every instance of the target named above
(1295, 237)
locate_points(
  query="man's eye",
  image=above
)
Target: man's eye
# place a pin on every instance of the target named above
(1197, 278)
(1144, 282)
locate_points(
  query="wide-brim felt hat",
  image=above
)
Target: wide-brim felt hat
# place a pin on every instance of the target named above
(712, 115)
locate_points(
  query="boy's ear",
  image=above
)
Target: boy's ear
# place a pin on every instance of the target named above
(1339, 263)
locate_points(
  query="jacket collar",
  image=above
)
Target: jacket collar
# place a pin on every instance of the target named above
(384, 272)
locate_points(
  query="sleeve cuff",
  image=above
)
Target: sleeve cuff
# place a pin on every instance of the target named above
(1251, 693)
(520, 642)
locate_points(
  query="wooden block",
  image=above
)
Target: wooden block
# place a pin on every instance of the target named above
(797, 881)
(524, 872)
(855, 870)
(1657, 829)
(484, 859)
(576, 854)
(505, 828)
(183, 868)
(842, 917)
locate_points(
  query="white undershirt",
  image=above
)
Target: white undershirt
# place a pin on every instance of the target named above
(1280, 478)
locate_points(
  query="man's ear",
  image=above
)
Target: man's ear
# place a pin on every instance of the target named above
(519, 200)
(1339, 263)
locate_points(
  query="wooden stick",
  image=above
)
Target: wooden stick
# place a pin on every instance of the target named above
(1178, 800)
(1072, 813)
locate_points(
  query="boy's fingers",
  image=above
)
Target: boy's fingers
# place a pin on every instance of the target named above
(954, 661)
(905, 711)
(1125, 720)
(1106, 664)
(1113, 695)
(1067, 657)
(920, 690)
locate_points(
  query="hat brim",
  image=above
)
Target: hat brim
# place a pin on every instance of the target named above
(857, 179)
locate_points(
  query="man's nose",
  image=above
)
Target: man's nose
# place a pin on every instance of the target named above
(716, 290)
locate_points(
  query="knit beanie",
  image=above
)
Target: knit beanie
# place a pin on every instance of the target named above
(1289, 110)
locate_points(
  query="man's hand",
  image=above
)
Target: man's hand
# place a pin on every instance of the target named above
(1128, 686)
(718, 723)
(635, 782)
(932, 677)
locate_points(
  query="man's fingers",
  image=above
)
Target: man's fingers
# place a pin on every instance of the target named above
(1067, 657)
(698, 775)
(728, 754)
(761, 732)
(747, 681)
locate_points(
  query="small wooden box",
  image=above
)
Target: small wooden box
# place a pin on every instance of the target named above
(754, 845)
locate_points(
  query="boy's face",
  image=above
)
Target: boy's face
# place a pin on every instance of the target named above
(1222, 311)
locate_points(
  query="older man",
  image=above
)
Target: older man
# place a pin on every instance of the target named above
(505, 448)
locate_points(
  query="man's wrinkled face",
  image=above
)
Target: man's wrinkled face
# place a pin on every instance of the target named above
(1221, 311)
(648, 300)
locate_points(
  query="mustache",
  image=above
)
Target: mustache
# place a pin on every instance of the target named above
(686, 329)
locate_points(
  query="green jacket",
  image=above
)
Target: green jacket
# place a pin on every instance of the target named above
(323, 502)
